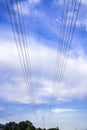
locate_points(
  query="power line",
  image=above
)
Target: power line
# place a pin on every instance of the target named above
(69, 41)
(67, 48)
(62, 61)
(26, 53)
(58, 56)
(64, 46)
(18, 39)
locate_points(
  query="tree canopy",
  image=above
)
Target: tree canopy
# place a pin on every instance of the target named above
(24, 125)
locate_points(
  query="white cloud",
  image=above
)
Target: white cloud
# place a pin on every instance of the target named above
(26, 7)
(34, 1)
(13, 89)
(74, 85)
(22, 7)
(82, 23)
(9, 54)
(84, 2)
(59, 99)
(61, 110)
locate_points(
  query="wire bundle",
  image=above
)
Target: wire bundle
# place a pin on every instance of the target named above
(18, 28)
(67, 28)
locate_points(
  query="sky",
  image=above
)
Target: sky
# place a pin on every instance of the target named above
(49, 101)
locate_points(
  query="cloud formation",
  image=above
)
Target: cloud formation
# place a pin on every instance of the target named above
(72, 87)
(61, 110)
(61, 103)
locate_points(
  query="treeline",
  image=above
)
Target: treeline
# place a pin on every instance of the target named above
(23, 125)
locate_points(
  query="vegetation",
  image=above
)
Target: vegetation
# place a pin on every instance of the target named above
(23, 125)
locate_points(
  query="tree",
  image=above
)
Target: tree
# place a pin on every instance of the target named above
(25, 125)
(54, 128)
(39, 128)
(11, 126)
(28, 128)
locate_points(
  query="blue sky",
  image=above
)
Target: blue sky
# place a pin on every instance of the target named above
(65, 108)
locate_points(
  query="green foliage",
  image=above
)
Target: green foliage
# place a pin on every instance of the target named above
(28, 128)
(39, 128)
(11, 126)
(53, 128)
(24, 125)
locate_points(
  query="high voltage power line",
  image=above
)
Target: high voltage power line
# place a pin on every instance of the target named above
(28, 64)
(63, 43)
(18, 29)
(67, 28)
(58, 45)
(68, 41)
(65, 40)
